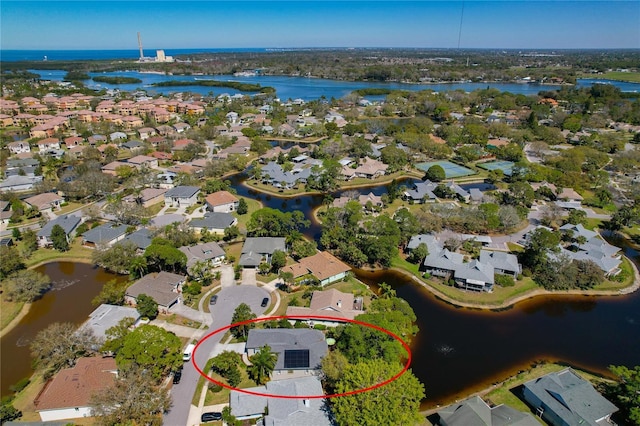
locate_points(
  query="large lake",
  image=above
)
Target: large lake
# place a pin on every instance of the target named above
(306, 88)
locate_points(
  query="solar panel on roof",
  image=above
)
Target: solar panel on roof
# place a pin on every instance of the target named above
(296, 358)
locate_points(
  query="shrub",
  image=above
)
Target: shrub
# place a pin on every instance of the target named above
(20, 385)
(319, 327)
(504, 280)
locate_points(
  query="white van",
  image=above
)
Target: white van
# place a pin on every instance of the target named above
(186, 356)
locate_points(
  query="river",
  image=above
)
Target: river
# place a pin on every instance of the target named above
(457, 351)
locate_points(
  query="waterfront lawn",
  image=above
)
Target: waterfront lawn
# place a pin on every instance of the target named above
(633, 77)
(243, 219)
(43, 255)
(627, 273)
(8, 311)
(24, 400)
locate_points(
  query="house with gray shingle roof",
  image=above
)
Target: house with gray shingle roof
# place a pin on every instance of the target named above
(297, 348)
(421, 192)
(181, 196)
(163, 287)
(257, 249)
(214, 222)
(283, 411)
(68, 223)
(140, 238)
(104, 235)
(106, 316)
(474, 411)
(564, 398)
(503, 263)
(211, 253)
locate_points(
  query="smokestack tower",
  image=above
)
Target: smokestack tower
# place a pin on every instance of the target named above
(140, 46)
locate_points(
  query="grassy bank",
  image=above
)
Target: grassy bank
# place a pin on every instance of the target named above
(632, 77)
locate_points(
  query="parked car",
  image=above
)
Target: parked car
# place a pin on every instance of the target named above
(177, 376)
(211, 416)
(213, 299)
(265, 302)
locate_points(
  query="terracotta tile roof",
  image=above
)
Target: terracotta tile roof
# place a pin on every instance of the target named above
(73, 387)
(331, 303)
(42, 201)
(322, 265)
(220, 198)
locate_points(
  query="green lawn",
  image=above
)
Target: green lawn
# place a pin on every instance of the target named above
(633, 77)
(243, 219)
(222, 396)
(8, 311)
(76, 251)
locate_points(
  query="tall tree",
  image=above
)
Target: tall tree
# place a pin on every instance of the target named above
(25, 286)
(59, 238)
(151, 349)
(626, 392)
(59, 345)
(262, 365)
(242, 313)
(146, 306)
(396, 403)
(131, 400)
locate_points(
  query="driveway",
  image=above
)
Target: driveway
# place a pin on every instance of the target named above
(226, 276)
(228, 299)
(187, 312)
(249, 276)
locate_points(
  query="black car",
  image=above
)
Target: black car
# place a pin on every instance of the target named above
(210, 417)
(265, 302)
(213, 299)
(177, 376)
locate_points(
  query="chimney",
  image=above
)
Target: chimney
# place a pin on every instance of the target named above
(339, 303)
(307, 402)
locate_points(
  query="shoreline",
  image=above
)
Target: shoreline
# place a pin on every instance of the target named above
(635, 285)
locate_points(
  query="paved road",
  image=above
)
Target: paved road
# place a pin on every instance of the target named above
(228, 299)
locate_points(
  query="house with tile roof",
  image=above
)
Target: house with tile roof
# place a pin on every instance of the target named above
(323, 266)
(329, 303)
(163, 287)
(222, 202)
(565, 398)
(68, 394)
(283, 411)
(47, 201)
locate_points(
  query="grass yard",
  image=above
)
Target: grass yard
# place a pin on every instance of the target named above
(266, 278)
(222, 396)
(627, 272)
(69, 207)
(243, 219)
(633, 77)
(178, 320)
(8, 311)
(76, 252)
(234, 250)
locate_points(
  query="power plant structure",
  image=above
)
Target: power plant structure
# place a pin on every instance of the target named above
(160, 55)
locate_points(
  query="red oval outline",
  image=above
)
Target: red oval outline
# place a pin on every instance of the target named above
(336, 319)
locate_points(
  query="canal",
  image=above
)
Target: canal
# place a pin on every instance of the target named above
(457, 351)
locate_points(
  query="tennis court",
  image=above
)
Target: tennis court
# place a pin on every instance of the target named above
(505, 166)
(451, 170)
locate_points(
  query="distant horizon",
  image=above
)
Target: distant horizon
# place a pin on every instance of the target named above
(470, 24)
(459, 49)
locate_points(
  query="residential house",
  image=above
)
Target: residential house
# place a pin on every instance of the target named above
(258, 249)
(213, 222)
(47, 201)
(181, 127)
(146, 132)
(369, 168)
(5, 212)
(283, 411)
(297, 348)
(329, 303)
(68, 223)
(209, 253)
(475, 412)
(163, 287)
(564, 398)
(104, 235)
(147, 197)
(68, 394)
(19, 147)
(140, 161)
(323, 266)
(106, 316)
(19, 183)
(181, 196)
(141, 238)
(116, 136)
(112, 167)
(503, 263)
(48, 143)
(222, 202)
(132, 145)
(421, 192)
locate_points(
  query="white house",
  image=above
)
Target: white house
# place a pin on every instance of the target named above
(181, 196)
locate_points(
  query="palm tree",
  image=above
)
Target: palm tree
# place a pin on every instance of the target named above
(138, 266)
(263, 364)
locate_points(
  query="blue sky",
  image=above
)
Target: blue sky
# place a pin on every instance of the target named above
(230, 24)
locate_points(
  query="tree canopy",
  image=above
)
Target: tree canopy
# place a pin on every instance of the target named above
(396, 403)
(268, 222)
